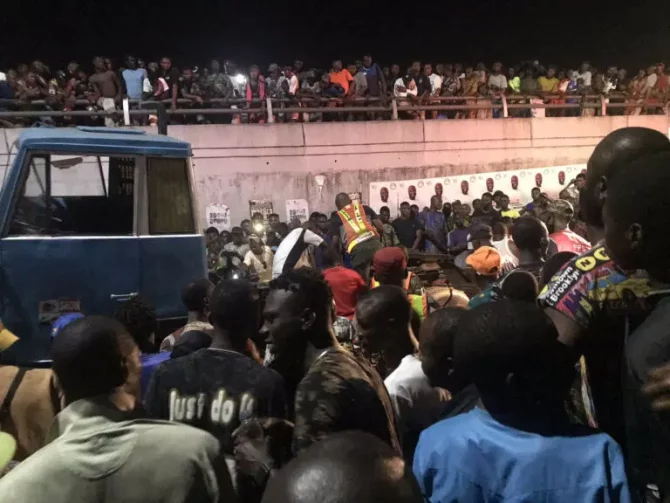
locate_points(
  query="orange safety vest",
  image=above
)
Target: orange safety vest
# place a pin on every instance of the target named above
(357, 226)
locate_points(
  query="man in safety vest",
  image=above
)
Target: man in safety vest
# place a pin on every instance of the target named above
(358, 228)
(390, 268)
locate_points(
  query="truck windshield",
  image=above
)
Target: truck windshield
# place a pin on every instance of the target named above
(88, 195)
(95, 195)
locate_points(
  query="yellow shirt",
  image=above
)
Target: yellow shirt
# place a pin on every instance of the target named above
(510, 214)
(548, 85)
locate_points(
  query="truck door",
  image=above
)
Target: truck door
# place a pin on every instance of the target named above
(71, 244)
(171, 246)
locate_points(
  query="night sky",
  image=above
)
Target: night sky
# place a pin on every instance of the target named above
(565, 33)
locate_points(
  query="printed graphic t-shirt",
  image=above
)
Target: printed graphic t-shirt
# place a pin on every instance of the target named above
(342, 392)
(606, 302)
(215, 390)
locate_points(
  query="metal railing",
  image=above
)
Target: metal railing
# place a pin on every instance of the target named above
(390, 107)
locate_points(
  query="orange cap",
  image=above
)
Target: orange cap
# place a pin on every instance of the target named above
(485, 260)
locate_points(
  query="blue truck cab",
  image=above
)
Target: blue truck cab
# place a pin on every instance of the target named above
(91, 217)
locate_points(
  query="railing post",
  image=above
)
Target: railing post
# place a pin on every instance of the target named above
(126, 112)
(271, 117)
(394, 109)
(603, 105)
(504, 104)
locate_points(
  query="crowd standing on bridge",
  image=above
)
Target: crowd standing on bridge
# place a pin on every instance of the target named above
(362, 83)
(315, 366)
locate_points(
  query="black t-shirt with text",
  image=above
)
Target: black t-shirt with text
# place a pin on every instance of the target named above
(215, 390)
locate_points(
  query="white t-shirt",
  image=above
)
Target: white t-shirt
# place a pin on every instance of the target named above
(435, 82)
(399, 84)
(293, 85)
(499, 81)
(509, 261)
(261, 265)
(651, 81)
(586, 77)
(291, 248)
(417, 404)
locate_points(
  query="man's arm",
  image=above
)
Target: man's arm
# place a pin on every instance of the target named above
(192, 97)
(418, 239)
(378, 225)
(382, 80)
(430, 236)
(119, 88)
(352, 83)
(374, 218)
(175, 88)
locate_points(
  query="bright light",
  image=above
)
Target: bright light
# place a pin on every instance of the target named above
(239, 78)
(235, 276)
(259, 227)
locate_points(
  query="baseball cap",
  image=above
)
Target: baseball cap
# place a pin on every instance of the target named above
(561, 206)
(63, 322)
(480, 231)
(389, 259)
(485, 260)
(7, 449)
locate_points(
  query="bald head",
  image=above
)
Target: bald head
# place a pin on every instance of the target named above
(613, 153)
(347, 467)
(342, 200)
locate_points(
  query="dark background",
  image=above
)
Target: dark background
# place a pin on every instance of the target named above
(631, 35)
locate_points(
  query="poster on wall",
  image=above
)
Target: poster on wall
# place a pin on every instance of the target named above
(297, 208)
(262, 206)
(218, 216)
(517, 184)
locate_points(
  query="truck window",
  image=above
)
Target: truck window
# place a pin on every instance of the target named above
(170, 204)
(76, 196)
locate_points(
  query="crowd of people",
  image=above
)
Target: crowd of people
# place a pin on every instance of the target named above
(551, 384)
(359, 84)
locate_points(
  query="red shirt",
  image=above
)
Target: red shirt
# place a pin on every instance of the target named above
(569, 241)
(346, 285)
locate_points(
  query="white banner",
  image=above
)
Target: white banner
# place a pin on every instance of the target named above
(517, 184)
(297, 208)
(218, 216)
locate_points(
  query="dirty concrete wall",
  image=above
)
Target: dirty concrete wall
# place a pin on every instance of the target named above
(234, 164)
